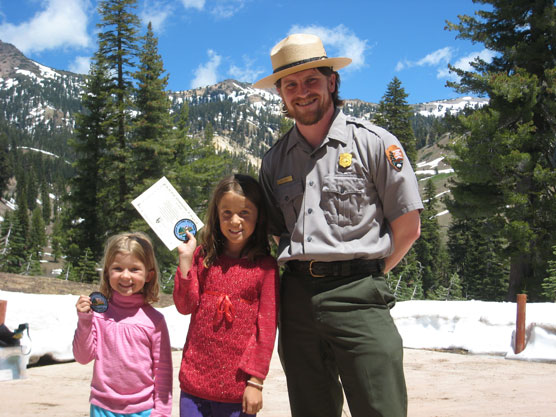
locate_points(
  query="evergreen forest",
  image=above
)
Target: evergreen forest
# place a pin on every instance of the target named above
(498, 243)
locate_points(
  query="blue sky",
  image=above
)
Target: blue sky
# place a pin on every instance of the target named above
(203, 42)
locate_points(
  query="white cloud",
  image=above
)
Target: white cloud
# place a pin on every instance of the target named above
(157, 13)
(81, 65)
(221, 9)
(193, 4)
(225, 9)
(464, 63)
(438, 57)
(61, 23)
(338, 41)
(441, 56)
(207, 74)
(245, 73)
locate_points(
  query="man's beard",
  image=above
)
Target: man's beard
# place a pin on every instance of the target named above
(310, 118)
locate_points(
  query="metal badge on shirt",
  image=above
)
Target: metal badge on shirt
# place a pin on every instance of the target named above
(345, 160)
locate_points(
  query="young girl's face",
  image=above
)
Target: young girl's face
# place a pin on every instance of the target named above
(127, 274)
(238, 219)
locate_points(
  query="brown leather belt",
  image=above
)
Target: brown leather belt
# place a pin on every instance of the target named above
(337, 268)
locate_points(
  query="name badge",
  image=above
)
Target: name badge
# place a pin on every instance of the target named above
(285, 180)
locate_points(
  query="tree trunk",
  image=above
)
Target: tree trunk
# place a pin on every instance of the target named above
(520, 267)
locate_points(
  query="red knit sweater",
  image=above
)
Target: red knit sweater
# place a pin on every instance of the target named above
(234, 311)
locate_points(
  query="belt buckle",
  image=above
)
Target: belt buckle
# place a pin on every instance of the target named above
(311, 270)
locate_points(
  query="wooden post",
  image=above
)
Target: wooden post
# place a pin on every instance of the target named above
(3, 306)
(520, 323)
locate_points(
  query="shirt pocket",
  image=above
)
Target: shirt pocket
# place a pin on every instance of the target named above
(289, 198)
(343, 199)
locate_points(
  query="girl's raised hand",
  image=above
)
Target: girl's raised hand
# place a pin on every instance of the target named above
(185, 253)
(83, 304)
(186, 249)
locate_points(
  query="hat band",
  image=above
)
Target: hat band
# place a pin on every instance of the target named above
(294, 64)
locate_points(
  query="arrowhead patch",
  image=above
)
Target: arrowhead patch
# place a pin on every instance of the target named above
(394, 154)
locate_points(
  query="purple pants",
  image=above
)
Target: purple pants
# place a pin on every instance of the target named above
(191, 406)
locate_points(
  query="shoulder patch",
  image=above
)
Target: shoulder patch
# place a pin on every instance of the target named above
(395, 157)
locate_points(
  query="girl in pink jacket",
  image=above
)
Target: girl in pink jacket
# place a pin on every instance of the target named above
(125, 336)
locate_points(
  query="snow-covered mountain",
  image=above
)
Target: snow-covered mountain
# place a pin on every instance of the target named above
(454, 106)
(37, 99)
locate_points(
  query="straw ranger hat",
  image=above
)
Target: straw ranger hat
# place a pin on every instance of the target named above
(298, 52)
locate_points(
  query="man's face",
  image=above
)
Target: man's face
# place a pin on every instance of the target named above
(307, 95)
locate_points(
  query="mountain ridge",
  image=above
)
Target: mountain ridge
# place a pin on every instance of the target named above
(245, 120)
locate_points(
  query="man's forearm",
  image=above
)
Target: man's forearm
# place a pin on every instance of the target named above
(406, 229)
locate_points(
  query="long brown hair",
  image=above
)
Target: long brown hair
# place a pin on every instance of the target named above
(140, 246)
(211, 236)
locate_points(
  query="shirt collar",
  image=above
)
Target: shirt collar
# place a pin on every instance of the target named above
(129, 301)
(336, 132)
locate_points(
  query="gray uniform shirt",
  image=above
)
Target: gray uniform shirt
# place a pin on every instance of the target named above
(335, 202)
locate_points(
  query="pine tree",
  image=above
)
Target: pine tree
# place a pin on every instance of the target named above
(285, 125)
(152, 143)
(38, 232)
(505, 165)
(31, 188)
(85, 223)
(394, 115)
(429, 246)
(455, 288)
(405, 280)
(14, 252)
(22, 215)
(46, 206)
(33, 265)
(5, 165)
(118, 46)
(209, 132)
(549, 283)
(85, 269)
(56, 239)
(477, 256)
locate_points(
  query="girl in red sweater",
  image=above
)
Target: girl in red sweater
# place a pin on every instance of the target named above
(229, 285)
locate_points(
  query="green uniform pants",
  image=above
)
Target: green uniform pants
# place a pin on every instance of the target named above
(336, 329)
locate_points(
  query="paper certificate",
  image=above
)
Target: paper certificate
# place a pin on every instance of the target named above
(167, 213)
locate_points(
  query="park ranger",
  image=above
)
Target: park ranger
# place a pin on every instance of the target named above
(344, 209)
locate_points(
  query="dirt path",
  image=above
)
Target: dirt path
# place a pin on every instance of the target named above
(439, 385)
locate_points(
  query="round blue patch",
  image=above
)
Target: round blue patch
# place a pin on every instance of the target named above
(184, 225)
(99, 303)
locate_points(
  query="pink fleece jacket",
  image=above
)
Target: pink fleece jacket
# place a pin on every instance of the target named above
(133, 362)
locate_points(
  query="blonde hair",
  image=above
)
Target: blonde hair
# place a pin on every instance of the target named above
(140, 246)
